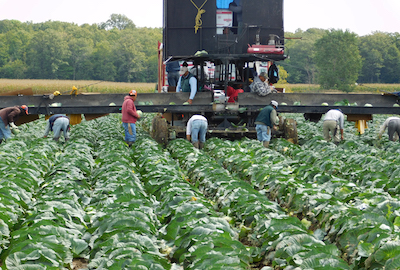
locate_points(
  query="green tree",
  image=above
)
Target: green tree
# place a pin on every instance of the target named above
(80, 50)
(3, 50)
(17, 41)
(101, 59)
(129, 57)
(47, 51)
(283, 75)
(338, 60)
(300, 48)
(372, 49)
(148, 38)
(13, 70)
(391, 68)
(117, 21)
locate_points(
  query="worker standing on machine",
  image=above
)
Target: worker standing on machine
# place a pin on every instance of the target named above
(196, 130)
(333, 122)
(259, 86)
(129, 117)
(267, 120)
(172, 69)
(8, 116)
(393, 126)
(57, 123)
(187, 83)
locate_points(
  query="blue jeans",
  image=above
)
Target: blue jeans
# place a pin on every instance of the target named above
(173, 78)
(5, 132)
(61, 124)
(262, 133)
(129, 137)
(199, 130)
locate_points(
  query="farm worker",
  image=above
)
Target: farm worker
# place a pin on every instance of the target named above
(173, 69)
(56, 123)
(187, 83)
(393, 126)
(259, 86)
(266, 120)
(8, 116)
(196, 130)
(129, 117)
(236, 7)
(333, 121)
(232, 93)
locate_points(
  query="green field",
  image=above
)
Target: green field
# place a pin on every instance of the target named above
(95, 202)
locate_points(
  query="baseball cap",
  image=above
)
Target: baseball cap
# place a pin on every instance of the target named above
(264, 74)
(274, 103)
(132, 93)
(25, 108)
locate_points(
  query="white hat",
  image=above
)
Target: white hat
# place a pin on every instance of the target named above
(274, 103)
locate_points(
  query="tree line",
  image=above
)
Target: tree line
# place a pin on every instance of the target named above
(338, 59)
(117, 50)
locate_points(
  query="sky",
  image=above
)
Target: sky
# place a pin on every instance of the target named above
(362, 17)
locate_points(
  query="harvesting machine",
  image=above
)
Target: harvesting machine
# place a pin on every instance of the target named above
(224, 47)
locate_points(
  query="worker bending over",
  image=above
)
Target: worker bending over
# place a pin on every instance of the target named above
(8, 116)
(58, 123)
(187, 83)
(196, 130)
(129, 117)
(333, 122)
(393, 126)
(267, 120)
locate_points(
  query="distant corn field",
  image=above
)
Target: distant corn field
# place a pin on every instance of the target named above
(65, 86)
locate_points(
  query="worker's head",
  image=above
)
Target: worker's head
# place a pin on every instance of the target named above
(263, 76)
(184, 71)
(133, 94)
(24, 109)
(274, 103)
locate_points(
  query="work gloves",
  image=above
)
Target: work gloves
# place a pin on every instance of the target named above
(14, 128)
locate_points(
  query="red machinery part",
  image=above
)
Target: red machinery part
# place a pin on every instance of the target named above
(265, 49)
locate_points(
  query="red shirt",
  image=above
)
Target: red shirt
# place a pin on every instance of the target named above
(233, 93)
(129, 114)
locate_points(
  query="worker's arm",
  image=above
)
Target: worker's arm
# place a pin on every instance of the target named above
(47, 130)
(132, 111)
(193, 89)
(341, 122)
(178, 86)
(341, 133)
(274, 118)
(189, 129)
(383, 128)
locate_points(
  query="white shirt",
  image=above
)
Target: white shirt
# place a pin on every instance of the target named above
(189, 124)
(335, 115)
(386, 123)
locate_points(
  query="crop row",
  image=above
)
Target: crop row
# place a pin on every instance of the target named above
(235, 205)
(360, 219)
(76, 202)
